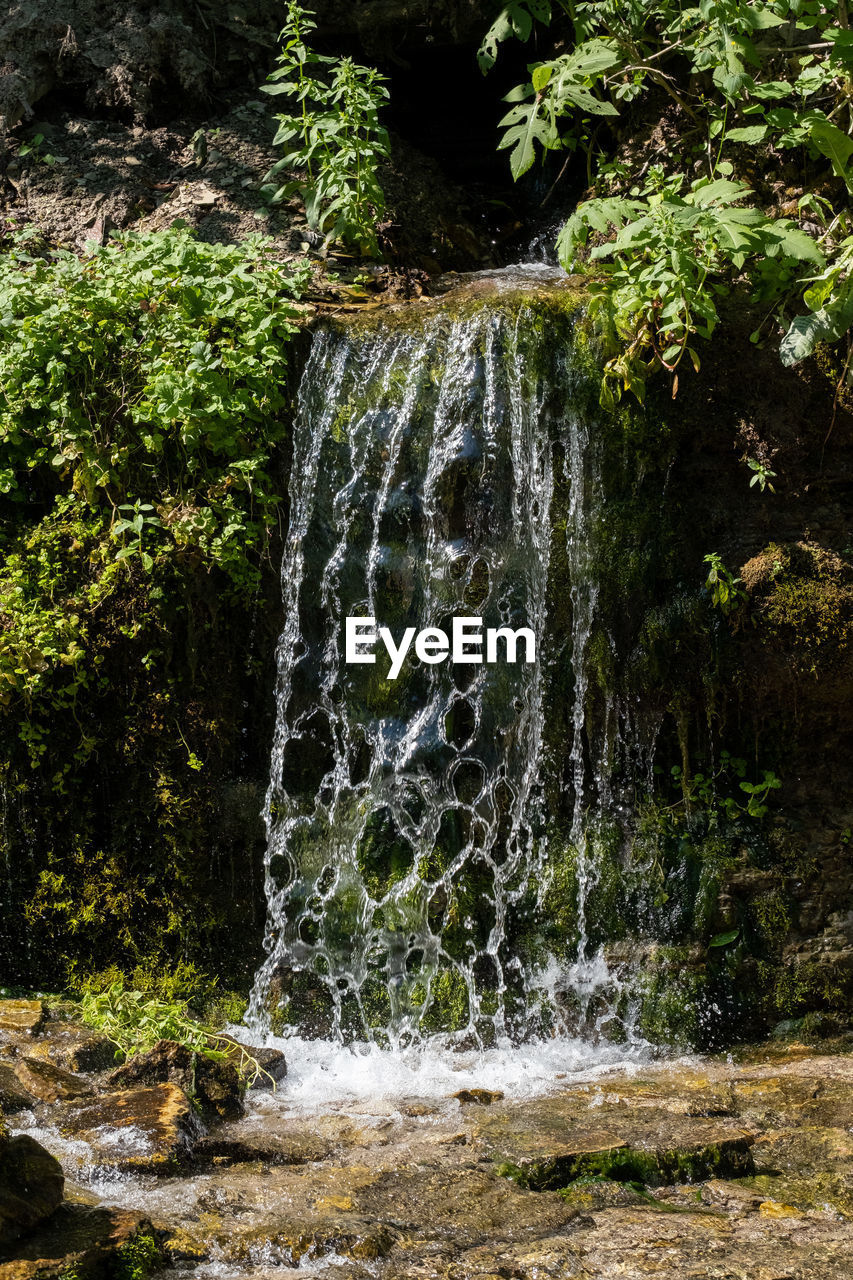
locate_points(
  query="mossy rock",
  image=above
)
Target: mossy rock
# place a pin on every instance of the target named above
(801, 601)
(143, 1130)
(85, 1243)
(724, 1156)
(213, 1086)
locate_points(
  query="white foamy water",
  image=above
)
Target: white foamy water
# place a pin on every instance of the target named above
(325, 1076)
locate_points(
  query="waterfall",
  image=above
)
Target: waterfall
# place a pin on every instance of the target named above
(405, 817)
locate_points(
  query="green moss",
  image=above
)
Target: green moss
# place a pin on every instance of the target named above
(651, 1168)
(555, 922)
(771, 916)
(448, 1009)
(384, 856)
(673, 994)
(137, 1258)
(800, 987)
(801, 599)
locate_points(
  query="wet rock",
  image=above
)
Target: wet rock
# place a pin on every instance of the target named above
(350, 1236)
(85, 1243)
(733, 1196)
(273, 1066)
(22, 1015)
(297, 1145)
(632, 1242)
(602, 1195)
(49, 1083)
(555, 1164)
(73, 1047)
(13, 1096)
(548, 1145)
(31, 1184)
(288, 1243)
(149, 1130)
(182, 1246)
(399, 1198)
(272, 1062)
(213, 1085)
(480, 1097)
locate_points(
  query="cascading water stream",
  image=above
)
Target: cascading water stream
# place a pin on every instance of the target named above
(406, 828)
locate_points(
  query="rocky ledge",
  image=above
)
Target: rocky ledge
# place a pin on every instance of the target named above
(742, 1170)
(60, 1088)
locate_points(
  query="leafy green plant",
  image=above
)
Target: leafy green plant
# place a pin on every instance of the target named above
(711, 790)
(777, 73)
(727, 593)
(134, 1021)
(34, 148)
(661, 274)
(725, 939)
(143, 394)
(761, 475)
(557, 89)
(335, 138)
(134, 526)
(829, 299)
(757, 793)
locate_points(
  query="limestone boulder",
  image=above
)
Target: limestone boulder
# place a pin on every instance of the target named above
(13, 1096)
(72, 1047)
(48, 1083)
(22, 1016)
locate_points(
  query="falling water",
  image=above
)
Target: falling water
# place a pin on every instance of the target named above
(406, 831)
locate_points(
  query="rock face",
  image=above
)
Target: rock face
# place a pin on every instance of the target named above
(656, 1148)
(737, 1171)
(72, 1047)
(13, 1096)
(31, 1186)
(743, 1171)
(273, 1066)
(272, 1062)
(213, 1085)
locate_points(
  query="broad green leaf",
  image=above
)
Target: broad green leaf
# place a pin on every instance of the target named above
(748, 133)
(804, 335)
(582, 98)
(720, 191)
(723, 939)
(521, 137)
(592, 58)
(514, 20)
(795, 243)
(835, 145)
(770, 90)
